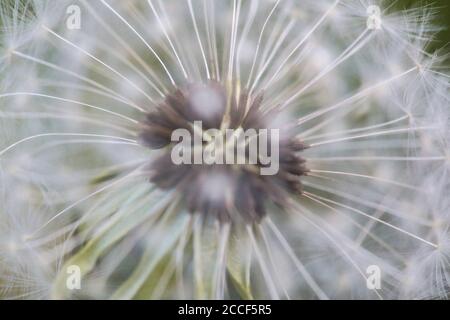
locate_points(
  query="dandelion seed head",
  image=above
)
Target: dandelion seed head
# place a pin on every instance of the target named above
(87, 178)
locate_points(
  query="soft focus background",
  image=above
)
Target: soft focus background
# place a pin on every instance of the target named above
(443, 19)
(442, 41)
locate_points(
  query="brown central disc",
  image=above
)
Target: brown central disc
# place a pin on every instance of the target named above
(225, 191)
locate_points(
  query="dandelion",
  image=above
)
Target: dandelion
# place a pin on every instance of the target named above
(91, 192)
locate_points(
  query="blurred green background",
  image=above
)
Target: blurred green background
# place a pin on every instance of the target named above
(442, 20)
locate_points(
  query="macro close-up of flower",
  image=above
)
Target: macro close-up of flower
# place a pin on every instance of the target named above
(224, 149)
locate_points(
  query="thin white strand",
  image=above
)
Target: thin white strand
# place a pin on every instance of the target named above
(372, 134)
(179, 257)
(66, 71)
(359, 95)
(332, 65)
(318, 199)
(168, 38)
(70, 228)
(33, 94)
(219, 278)
(268, 62)
(57, 143)
(295, 91)
(129, 49)
(302, 41)
(2, 152)
(272, 261)
(73, 205)
(403, 185)
(142, 39)
(38, 115)
(101, 62)
(248, 23)
(234, 23)
(125, 60)
(300, 267)
(197, 248)
(377, 158)
(307, 137)
(269, 281)
(211, 36)
(70, 85)
(375, 204)
(197, 33)
(258, 44)
(274, 35)
(336, 243)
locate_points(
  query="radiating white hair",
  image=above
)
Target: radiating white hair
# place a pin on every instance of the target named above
(369, 100)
